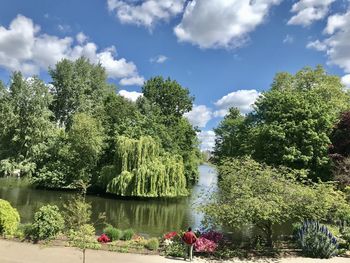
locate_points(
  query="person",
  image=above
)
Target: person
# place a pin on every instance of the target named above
(189, 238)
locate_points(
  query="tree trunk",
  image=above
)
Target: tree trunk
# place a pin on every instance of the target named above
(84, 255)
(268, 232)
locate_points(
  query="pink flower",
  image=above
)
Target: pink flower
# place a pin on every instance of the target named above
(214, 236)
(205, 245)
(103, 239)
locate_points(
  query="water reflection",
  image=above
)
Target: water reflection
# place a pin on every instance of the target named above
(153, 217)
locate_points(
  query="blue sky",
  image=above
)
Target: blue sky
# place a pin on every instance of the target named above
(225, 51)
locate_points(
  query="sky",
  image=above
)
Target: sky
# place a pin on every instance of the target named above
(226, 52)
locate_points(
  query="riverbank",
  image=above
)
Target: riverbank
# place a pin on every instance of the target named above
(18, 252)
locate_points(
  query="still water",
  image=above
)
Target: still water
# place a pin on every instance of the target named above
(153, 217)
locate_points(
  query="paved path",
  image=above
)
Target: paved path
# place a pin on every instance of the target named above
(15, 252)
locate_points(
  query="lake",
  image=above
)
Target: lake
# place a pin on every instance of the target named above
(152, 217)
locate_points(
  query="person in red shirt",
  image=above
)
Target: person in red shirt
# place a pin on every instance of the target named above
(189, 238)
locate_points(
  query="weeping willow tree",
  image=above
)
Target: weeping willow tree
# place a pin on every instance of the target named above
(142, 170)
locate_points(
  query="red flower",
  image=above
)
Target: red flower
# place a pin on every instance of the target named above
(103, 239)
(213, 236)
(170, 235)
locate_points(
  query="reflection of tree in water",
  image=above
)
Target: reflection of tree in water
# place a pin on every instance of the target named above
(151, 217)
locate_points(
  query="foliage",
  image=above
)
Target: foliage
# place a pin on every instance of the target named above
(143, 171)
(48, 222)
(152, 244)
(83, 238)
(317, 241)
(290, 125)
(24, 231)
(168, 95)
(175, 249)
(9, 218)
(76, 213)
(253, 193)
(127, 234)
(113, 233)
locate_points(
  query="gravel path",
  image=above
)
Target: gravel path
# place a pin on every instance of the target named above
(15, 252)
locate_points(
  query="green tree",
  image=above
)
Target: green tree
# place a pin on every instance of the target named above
(78, 86)
(26, 118)
(254, 193)
(168, 95)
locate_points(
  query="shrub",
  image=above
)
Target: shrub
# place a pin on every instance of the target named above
(103, 239)
(9, 218)
(83, 237)
(128, 234)
(113, 233)
(77, 213)
(316, 240)
(175, 249)
(205, 245)
(170, 235)
(24, 231)
(152, 244)
(48, 222)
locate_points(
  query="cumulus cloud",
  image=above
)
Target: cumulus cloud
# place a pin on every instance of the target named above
(130, 95)
(346, 80)
(241, 99)
(207, 140)
(199, 116)
(336, 45)
(24, 48)
(160, 59)
(221, 23)
(145, 13)
(309, 11)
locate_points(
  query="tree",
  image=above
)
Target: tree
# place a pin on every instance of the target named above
(168, 95)
(254, 193)
(232, 136)
(340, 150)
(78, 86)
(291, 123)
(26, 117)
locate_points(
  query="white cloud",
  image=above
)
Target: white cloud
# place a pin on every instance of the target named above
(137, 81)
(346, 80)
(81, 37)
(317, 44)
(221, 23)
(160, 59)
(241, 99)
(207, 140)
(145, 13)
(288, 39)
(199, 116)
(309, 11)
(24, 48)
(130, 95)
(337, 44)
(64, 28)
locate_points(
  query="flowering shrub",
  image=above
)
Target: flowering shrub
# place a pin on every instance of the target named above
(103, 239)
(170, 235)
(214, 236)
(168, 242)
(205, 245)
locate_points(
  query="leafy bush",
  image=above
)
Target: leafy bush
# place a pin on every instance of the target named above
(103, 239)
(316, 240)
(127, 234)
(24, 231)
(152, 244)
(175, 249)
(9, 218)
(48, 222)
(83, 237)
(113, 233)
